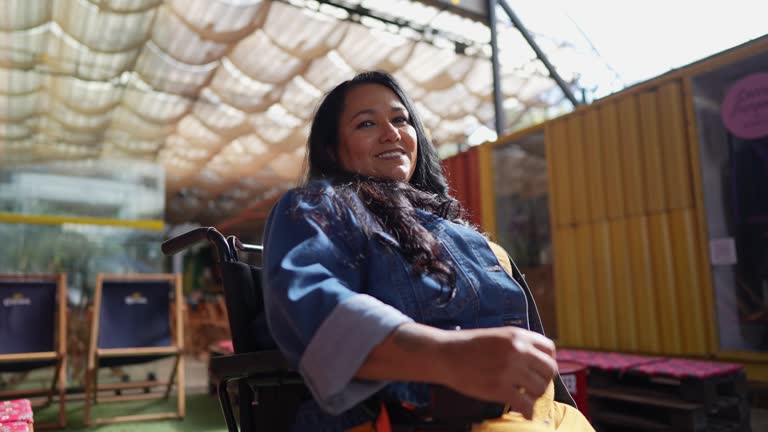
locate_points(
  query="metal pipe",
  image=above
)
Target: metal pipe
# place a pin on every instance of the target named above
(539, 53)
(498, 100)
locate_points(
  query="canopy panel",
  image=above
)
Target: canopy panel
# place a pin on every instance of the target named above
(221, 92)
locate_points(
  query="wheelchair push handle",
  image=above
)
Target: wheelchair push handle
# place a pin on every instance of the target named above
(245, 247)
(188, 239)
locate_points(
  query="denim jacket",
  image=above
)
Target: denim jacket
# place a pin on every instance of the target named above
(333, 293)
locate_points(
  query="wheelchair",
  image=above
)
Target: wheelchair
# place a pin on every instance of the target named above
(269, 390)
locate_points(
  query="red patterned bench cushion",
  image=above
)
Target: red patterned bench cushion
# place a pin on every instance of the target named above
(681, 368)
(19, 410)
(15, 427)
(607, 361)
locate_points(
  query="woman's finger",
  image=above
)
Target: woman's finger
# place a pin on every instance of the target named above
(543, 344)
(521, 401)
(534, 384)
(541, 364)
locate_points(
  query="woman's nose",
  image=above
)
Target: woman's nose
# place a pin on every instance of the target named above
(390, 133)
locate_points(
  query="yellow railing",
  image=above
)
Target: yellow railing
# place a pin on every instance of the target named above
(153, 225)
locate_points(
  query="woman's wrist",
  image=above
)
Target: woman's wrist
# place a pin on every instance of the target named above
(429, 348)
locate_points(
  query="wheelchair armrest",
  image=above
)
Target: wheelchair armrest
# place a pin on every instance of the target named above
(237, 366)
(258, 370)
(448, 406)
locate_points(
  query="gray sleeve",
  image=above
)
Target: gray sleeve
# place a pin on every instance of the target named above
(340, 346)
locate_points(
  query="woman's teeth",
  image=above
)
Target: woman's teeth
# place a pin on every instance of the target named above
(390, 155)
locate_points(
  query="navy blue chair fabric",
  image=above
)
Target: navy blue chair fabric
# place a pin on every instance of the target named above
(33, 334)
(27, 316)
(135, 314)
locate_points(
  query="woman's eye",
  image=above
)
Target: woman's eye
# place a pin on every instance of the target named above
(364, 123)
(400, 120)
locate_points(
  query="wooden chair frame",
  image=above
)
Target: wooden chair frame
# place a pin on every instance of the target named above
(92, 388)
(59, 356)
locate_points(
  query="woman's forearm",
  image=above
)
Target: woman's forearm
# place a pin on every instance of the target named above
(410, 353)
(502, 364)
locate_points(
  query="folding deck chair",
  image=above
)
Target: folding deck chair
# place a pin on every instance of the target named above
(269, 389)
(33, 334)
(132, 323)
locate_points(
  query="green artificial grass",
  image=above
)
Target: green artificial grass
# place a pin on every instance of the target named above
(203, 415)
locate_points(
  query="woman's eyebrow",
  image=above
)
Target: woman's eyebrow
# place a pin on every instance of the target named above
(363, 111)
(373, 111)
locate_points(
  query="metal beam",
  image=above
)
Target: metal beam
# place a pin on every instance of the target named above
(539, 53)
(472, 9)
(425, 30)
(498, 97)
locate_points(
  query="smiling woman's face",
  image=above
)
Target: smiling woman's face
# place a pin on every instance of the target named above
(376, 137)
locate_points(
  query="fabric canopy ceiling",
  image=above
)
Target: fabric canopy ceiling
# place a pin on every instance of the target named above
(221, 92)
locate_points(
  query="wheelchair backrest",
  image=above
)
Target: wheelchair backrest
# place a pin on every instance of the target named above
(245, 307)
(242, 287)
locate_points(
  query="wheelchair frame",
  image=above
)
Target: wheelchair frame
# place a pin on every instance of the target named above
(256, 368)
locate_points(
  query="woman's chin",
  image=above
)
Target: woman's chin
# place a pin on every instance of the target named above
(398, 173)
(397, 176)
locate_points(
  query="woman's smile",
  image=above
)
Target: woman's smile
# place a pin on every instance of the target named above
(391, 155)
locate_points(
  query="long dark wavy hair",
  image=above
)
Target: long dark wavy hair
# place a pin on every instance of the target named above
(393, 204)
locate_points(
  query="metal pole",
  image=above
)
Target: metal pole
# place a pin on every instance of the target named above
(539, 53)
(498, 101)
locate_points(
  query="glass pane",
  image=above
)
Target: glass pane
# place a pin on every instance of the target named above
(80, 250)
(522, 217)
(731, 117)
(110, 190)
(113, 189)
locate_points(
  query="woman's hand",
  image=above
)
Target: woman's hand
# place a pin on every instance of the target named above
(503, 364)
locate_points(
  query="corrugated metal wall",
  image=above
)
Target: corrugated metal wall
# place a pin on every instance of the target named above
(624, 226)
(464, 180)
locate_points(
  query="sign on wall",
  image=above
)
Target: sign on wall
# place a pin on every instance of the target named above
(745, 107)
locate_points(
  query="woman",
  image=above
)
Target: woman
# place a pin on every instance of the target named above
(376, 286)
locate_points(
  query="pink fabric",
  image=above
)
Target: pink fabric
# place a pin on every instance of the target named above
(607, 361)
(15, 427)
(226, 346)
(19, 410)
(681, 368)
